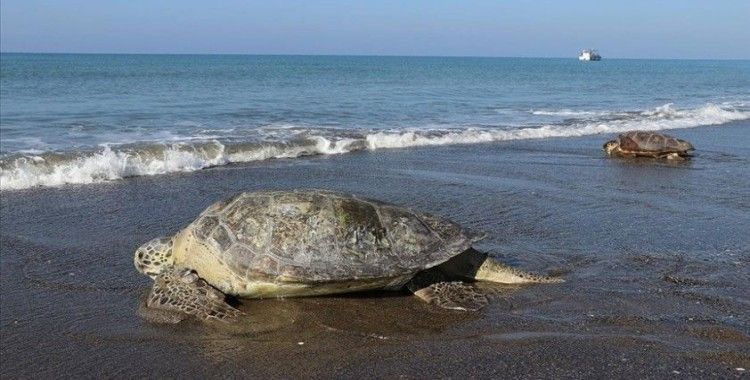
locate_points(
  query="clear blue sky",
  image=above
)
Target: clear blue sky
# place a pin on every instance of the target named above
(633, 28)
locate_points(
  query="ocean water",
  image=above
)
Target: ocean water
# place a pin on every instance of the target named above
(654, 254)
(67, 118)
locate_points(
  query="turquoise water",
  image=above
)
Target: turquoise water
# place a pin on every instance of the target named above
(92, 118)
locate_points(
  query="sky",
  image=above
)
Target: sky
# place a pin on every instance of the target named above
(619, 29)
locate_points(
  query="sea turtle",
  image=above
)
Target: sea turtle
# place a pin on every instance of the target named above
(308, 243)
(648, 144)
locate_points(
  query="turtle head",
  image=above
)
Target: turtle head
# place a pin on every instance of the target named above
(684, 145)
(609, 146)
(152, 257)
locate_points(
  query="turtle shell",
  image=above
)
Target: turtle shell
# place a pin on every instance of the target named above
(319, 236)
(641, 141)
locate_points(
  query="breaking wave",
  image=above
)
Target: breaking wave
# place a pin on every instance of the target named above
(111, 162)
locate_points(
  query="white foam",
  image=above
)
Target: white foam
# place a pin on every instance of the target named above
(104, 165)
(110, 164)
(567, 112)
(660, 118)
(115, 162)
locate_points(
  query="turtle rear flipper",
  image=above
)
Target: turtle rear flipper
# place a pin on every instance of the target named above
(179, 292)
(479, 266)
(453, 295)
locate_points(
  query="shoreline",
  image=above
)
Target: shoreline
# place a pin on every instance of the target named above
(117, 161)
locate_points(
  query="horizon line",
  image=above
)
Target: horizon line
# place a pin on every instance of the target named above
(370, 55)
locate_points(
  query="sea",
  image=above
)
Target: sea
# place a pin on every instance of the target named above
(90, 118)
(102, 153)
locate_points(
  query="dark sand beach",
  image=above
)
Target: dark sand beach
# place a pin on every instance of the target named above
(656, 258)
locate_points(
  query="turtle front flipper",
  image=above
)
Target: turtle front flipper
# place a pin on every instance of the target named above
(179, 292)
(454, 295)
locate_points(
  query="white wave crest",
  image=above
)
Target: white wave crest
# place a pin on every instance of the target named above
(568, 112)
(660, 118)
(105, 165)
(110, 163)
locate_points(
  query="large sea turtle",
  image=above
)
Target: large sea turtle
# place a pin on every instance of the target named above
(307, 243)
(648, 144)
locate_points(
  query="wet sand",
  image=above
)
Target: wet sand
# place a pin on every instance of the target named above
(656, 258)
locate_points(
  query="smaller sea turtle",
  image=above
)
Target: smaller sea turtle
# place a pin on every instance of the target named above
(648, 144)
(310, 243)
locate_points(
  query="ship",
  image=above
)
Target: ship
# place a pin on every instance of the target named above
(589, 55)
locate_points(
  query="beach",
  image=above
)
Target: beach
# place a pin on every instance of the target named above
(655, 256)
